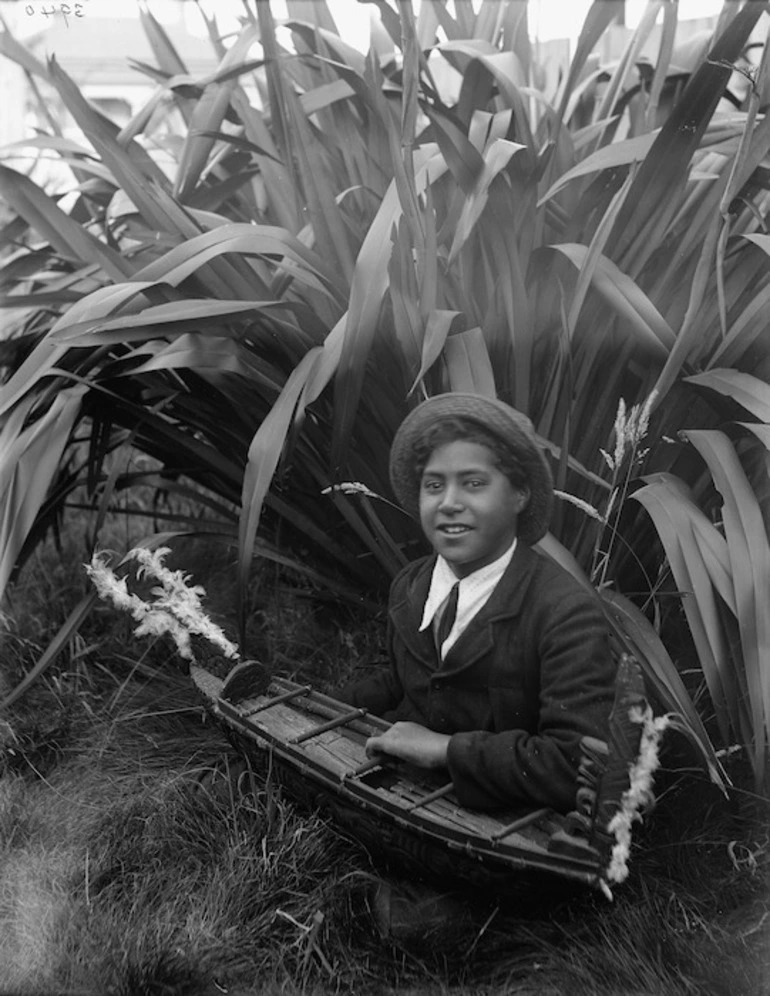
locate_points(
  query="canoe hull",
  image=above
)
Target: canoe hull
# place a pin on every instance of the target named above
(406, 818)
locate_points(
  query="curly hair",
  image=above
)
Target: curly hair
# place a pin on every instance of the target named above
(453, 429)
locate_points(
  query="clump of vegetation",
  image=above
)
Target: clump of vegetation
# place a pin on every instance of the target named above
(219, 349)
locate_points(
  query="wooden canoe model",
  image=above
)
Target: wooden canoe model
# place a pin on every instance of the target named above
(315, 746)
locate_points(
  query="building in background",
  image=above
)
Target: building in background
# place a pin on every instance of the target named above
(102, 45)
(104, 49)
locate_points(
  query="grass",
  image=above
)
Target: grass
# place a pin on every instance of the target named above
(139, 856)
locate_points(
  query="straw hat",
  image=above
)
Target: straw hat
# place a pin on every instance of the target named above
(510, 426)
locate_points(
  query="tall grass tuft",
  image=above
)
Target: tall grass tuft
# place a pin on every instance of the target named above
(37, 901)
(137, 863)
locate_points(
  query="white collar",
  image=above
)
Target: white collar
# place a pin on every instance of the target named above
(473, 592)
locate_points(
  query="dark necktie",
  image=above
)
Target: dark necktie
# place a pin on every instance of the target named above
(448, 616)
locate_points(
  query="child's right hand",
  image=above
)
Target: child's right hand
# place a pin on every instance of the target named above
(412, 743)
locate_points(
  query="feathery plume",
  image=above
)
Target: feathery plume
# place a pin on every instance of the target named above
(176, 607)
(620, 434)
(351, 488)
(639, 794)
(584, 506)
(630, 429)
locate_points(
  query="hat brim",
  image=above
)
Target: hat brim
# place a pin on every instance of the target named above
(511, 427)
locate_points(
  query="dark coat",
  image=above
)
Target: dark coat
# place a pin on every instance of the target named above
(530, 676)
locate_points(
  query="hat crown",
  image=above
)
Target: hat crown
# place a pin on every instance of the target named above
(510, 426)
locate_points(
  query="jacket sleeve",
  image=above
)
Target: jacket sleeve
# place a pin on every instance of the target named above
(382, 691)
(379, 693)
(567, 633)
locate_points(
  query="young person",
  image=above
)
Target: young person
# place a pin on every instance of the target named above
(499, 659)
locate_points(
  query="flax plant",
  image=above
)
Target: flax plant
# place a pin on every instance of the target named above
(342, 233)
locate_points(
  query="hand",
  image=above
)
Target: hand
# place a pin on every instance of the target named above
(413, 743)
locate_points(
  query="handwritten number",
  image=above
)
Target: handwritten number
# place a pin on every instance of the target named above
(51, 10)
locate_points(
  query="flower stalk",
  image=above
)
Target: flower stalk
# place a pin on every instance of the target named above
(630, 429)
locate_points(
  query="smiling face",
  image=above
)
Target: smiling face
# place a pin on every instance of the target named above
(469, 509)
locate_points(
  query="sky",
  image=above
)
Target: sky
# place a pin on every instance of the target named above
(548, 18)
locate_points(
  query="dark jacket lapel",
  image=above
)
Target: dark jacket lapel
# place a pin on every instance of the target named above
(504, 603)
(478, 639)
(407, 609)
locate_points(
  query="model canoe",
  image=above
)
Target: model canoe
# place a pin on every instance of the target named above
(315, 746)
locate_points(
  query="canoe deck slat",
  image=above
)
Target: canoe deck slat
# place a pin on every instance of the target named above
(284, 697)
(519, 824)
(439, 793)
(332, 724)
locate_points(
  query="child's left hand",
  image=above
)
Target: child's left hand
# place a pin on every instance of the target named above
(413, 743)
